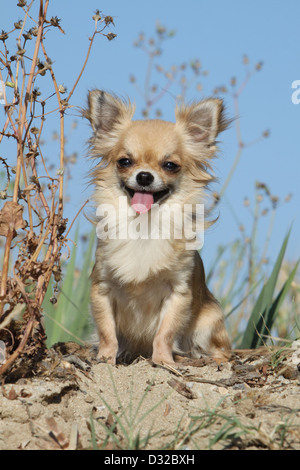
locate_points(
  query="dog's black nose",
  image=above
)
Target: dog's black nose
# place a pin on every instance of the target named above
(144, 178)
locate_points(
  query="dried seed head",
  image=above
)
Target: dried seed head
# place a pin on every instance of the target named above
(97, 16)
(288, 198)
(3, 35)
(274, 200)
(32, 152)
(109, 20)
(27, 36)
(62, 227)
(64, 102)
(266, 133)
(62, 89)
(160, 29)
(111, 36)
(21, 52)
(21, 3)
(73, 157)
(56, 273)
(34, 179)
(18, 24)
(55, 21)
(35, 93)
(34, 31)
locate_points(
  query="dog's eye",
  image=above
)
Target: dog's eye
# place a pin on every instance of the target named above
(124, 162)
(171, 166)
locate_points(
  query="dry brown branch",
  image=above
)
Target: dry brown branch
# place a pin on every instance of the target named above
(31, 220)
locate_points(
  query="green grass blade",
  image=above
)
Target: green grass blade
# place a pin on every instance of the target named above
(79, 296)
(68, 319)
(93, 433)
(266, 325)
(252, 335)
(61, 311)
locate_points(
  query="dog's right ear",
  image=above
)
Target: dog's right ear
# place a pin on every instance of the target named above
(106, 111)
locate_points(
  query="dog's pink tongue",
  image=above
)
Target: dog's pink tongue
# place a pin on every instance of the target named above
(142, 202)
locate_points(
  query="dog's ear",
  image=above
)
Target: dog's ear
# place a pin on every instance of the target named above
(203, 121)
(105, 111)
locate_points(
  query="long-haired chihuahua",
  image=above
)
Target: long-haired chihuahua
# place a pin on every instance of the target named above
(149, 295)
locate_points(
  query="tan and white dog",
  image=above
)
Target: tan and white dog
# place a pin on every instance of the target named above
(149, 295)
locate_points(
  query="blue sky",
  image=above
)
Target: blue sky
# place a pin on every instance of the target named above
(219, 34)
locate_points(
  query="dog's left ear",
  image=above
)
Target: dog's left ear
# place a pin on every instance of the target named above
(203, 121)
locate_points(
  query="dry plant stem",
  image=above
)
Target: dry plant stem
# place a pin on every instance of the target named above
(252, 242)
(42, 16)
(150, 102)
(31, 267)
(19, 349)
(62, 110)
(45, 278)
(34, 172)
(9, 239)
(4, 127)
(69, 229)
(84, 65)
(20, 158)
(240, 145)
(62, 143)
(19, 44)
(148, 76)
(240, 142)
(27, 331)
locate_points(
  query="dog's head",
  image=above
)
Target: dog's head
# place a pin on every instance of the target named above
(154, 159)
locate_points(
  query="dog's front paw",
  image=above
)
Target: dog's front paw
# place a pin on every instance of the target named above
(162, 354)
(107, 355)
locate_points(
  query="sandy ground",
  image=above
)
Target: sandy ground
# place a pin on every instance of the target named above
(73, 402)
